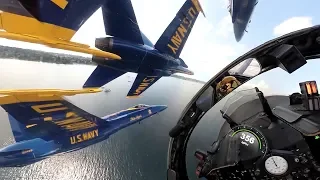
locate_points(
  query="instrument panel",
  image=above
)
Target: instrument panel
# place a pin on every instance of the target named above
(278, 167)
(271, 146)
(265, 163)
(253, 144)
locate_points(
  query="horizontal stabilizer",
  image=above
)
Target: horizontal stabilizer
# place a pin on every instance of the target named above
(52, 23)
(59, 44)
(15, 152)
(59, 19)
(45, 113)
(101, 76)
(176, 34)
(183, 63)
(142, 83)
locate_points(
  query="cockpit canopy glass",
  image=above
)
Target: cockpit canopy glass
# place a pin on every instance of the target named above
(249, 68)
(140, 106)
(237, 99)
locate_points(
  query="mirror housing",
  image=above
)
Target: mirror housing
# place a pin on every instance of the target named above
(288, 57)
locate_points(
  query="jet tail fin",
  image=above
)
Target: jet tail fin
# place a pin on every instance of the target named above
(141, 84)
(176, 34)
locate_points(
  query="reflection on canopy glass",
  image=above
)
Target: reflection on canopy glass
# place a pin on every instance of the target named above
(249, 67)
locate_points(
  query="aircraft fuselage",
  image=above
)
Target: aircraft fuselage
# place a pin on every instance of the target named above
(241, 11)
(137, 58)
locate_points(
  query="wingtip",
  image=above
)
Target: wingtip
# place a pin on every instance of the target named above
(132, 97)
(198, 6)
(164, 107)
(158, 108)
(204, 15)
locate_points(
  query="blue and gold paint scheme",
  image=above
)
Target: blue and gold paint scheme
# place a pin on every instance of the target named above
(49, 22)
(138, 54)
(241, 11)
(44, 123)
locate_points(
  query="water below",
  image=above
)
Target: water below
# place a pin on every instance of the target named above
(138, 152)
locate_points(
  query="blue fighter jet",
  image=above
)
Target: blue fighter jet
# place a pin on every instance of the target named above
(138, 54)
(44, 123)
(241, 11)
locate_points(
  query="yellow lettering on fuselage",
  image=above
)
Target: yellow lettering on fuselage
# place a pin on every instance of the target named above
(178, 37)
(45, 108)
(136, 118)
(75, 123)
(192, 12)
(144, 84)
(84, 136)
(68, 121)
(72, 122)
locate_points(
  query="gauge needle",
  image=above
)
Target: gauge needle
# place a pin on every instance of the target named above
(274, 162)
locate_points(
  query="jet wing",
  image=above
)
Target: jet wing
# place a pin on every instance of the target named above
(141, 83)
(101, 76)
(120, 21)
(49, 22)
(45, 113)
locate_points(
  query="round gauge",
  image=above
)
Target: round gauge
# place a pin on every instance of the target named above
(276, 165)
(252, 143)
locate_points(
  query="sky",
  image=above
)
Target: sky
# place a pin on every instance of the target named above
(211, 44)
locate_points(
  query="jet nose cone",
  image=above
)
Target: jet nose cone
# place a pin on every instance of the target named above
(238, 31)
(162, 107)
(158, 108)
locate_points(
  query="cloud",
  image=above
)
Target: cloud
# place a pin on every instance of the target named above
(211, 47)
(91, 29)
(225, 27)
(261, 84)
(225, 3)
(292, 24)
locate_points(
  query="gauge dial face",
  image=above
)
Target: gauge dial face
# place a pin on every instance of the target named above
(252, 142)
(276, 165)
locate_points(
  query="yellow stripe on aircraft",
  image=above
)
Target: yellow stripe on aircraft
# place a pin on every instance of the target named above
(61, 3)
(1, 27)
(28, 25)
(31, 30)
(47, 119)
(31, 125)
(42, 108)
(132, 97)
(36, 95)
(196, 3)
